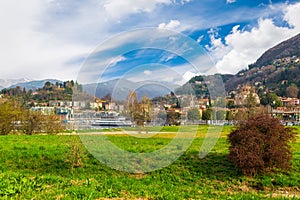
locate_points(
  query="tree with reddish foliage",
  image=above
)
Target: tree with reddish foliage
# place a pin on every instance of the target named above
(261, 144)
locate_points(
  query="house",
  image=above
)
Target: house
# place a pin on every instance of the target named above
(286, 102)
(242, 96)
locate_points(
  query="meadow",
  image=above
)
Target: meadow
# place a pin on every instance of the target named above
(60, 167)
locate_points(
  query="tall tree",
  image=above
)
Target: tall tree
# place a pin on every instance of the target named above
(139, 112)
(251, 104)
(207, 114)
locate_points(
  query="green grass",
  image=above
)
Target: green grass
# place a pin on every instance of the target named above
(40, 167)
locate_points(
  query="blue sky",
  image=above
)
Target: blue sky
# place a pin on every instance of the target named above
(63, 38)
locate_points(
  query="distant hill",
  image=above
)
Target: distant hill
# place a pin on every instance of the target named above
(288, 48)
(198, 85)
(33, 85)
(119, 88)
(277, 68)
(5, 83)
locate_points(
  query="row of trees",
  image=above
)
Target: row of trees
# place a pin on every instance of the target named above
(50, 91)
(16, 118)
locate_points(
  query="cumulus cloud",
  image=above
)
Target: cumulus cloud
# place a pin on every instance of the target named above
(242, 48)
(171, 25)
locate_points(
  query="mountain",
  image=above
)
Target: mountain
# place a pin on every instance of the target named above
(288, 48)
(33, 85)
(5, 83)
(275, 70)
(198, 85)
(119, 88)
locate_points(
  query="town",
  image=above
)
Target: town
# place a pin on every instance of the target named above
(91, 112)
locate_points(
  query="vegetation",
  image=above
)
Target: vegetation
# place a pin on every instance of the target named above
(193, 114)
(40, 167)
(139, 112)
(58, 91)
(260, 144)
(270, 99)
(16, 117)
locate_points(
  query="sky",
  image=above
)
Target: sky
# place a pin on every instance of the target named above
(165, 40)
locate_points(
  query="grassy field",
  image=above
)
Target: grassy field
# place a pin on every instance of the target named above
(42, 167)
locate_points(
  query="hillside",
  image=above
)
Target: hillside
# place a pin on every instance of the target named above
(5, 83)
(33, 85)
(288, 48)
(120, 88)
(275, 70)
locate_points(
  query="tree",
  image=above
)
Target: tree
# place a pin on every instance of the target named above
(220, 102)
(193, 114)
(173, 118)
(229, 115)
(10, 111)
(241, 115)
(207, 114)
(270, 99)
(52, 124)
(139, 112)
(31, 122)
(145, 109)
(132, 105)
(221, 115)
(259, 144)
(292, 91)
(251, 104)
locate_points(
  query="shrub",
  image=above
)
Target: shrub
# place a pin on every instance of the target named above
(260, 144)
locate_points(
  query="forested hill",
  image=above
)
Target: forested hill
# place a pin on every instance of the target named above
(288, 48)
(277, 69)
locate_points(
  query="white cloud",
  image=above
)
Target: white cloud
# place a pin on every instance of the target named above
(173, 24)
(182, 2)
(292, 15)
(30, 53)
(188, 75)
(119, 8)
(200, 38)
(230, 1)
(117, 60)
(242, 48)
(147, 72)
(50, 38)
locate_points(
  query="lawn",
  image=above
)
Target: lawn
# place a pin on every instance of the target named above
(60, 167)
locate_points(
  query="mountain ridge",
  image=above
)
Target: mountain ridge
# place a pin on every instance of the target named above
(287, 48)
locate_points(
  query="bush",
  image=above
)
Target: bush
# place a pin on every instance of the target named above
(260, 144)
(9, 114)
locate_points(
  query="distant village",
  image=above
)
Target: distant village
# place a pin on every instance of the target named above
(87, 111)
(85, 114)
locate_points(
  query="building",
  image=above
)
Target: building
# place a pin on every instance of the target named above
(243, 94)
(287, 102)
